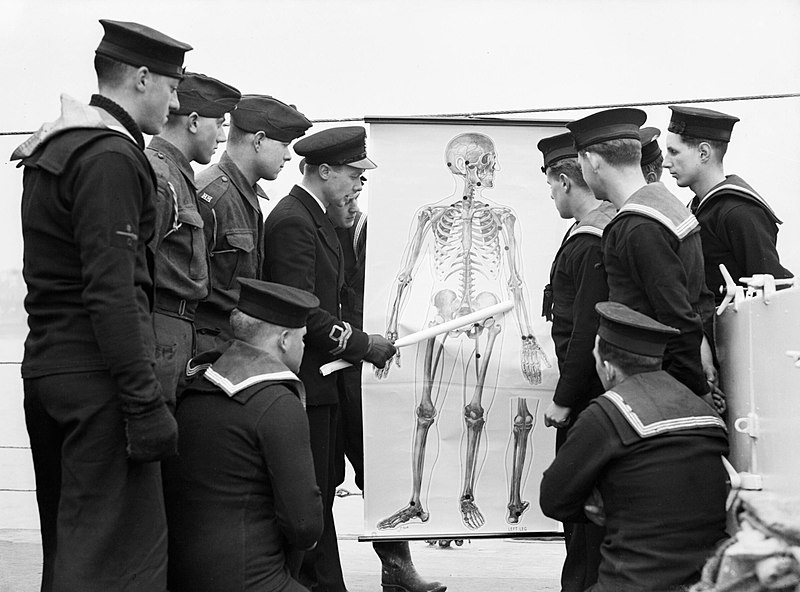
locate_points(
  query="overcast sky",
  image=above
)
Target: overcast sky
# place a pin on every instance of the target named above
(344, 58)
(351, 58)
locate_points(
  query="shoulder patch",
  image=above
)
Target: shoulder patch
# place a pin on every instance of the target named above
(211, 193)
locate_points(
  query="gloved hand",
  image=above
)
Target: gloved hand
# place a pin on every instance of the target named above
(380, 350)
(152, 435)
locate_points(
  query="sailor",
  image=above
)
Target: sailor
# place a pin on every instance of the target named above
(242, 499)
(95, 413)
(651, 249)
(737, 226)
(624, 463)
(577, 283)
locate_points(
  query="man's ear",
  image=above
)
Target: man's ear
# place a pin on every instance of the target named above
(651, 177)
(705, 151)
(258, 139)
(594, 159)
(283, 340)
(565, 181)
(325, 171)
(142, 78)
(191, 122)
(610, 370)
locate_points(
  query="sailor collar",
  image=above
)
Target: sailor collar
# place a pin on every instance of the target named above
(242, 366)
(737, 185)
(654, 201)
(595, 221)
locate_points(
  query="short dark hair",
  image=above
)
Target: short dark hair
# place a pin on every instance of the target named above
(626, 361)
(719, 147)
(236, 134)
(110, 71)
(570, 168)
(618, 153)
(657, 167)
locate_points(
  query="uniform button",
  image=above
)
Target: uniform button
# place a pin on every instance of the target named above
(161, 155)
(224, 178)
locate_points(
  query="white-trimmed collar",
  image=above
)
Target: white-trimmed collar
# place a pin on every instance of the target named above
(231, 389)
(316, 199)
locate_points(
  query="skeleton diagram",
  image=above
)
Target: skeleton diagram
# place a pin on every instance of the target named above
(475, 261)
(522, 426)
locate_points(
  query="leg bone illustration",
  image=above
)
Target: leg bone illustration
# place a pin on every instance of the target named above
(523, 425)
(474, 420)
(426, 414)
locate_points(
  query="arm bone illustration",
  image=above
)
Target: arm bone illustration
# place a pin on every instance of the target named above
(532, 355)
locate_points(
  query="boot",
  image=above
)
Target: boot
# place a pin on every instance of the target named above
(398, 573)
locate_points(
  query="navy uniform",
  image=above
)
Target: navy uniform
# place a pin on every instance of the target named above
(577, 283)
(663, 515)
(397, 568)
(239, 528)
(653, 257)
(232, 218)
(738, 228)
(179, 242)
(302, 250)
(93, 407)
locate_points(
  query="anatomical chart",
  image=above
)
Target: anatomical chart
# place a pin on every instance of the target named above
(461, 225)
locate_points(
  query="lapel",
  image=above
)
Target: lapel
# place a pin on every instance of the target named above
(325, 229)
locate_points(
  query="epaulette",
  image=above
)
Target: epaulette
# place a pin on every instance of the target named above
(211, 193)
(159, 163)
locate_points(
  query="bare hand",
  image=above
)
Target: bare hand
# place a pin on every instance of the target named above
(594, 508)
(716, 398)
(557, 416)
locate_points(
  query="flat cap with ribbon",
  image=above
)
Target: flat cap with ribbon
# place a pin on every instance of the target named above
(555, 148)
(650, 148)
(138, 45)
(278, 304)
(700, 123)
(632, 331)
(611, 124)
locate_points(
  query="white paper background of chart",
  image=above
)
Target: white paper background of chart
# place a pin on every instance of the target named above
(411, 173)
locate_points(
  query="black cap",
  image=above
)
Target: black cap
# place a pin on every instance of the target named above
(648, 136)
(138, 45)
(335, 146)
(556, 148)
(611, 124)
(262, 113)
(632, 331)
(700, 123)
(206, 96)
(275, 303)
